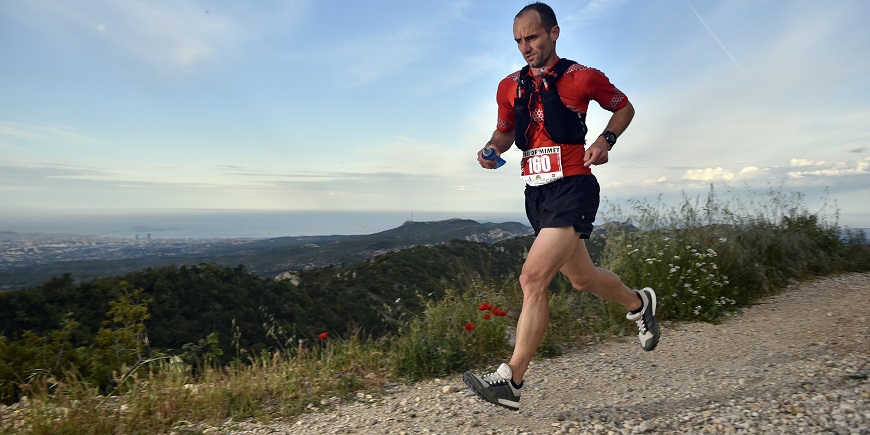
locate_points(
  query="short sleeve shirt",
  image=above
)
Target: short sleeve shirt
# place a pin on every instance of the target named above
(577, 87)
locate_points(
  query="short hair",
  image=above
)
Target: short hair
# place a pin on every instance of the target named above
(548, 17)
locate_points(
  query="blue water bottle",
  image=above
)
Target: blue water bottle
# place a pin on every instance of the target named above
(489, 154)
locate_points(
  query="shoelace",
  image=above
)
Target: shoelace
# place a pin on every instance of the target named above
(500, 380)
(641, 324)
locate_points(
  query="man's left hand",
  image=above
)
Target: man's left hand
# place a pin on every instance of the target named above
(596, 154)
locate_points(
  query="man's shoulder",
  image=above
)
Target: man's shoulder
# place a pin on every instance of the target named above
(507, 86)
(581, 78)
(512, 77)
(580, 69)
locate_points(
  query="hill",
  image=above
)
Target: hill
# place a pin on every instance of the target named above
(26, 263)
(188, 302)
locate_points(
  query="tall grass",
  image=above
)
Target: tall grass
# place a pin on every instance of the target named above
(170, 397)
(705, 257)
(462, 330)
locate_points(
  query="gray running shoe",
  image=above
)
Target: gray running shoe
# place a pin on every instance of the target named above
(495, 387)
(645, 318)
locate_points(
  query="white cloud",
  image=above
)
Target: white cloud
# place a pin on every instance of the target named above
(10, 130)
(708, 174)
(167, 36)
(835, 170)
(847, 175)
(45, 133)
(748, 172)
(649, 182)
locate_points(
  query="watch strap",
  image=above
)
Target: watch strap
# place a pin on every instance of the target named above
(610, 137)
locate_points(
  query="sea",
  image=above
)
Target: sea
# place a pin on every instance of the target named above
(229, 224)
(211, 224)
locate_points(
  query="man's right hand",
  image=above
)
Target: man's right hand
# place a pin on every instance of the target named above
(500, 140)
(484, 163)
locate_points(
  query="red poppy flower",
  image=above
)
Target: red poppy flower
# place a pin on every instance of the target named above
(486, 316)
(484, 306)
(323, 335)
(469, 326)
(498, 312)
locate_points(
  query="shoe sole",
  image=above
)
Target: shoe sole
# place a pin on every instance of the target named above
(651, 294)
(472, 382)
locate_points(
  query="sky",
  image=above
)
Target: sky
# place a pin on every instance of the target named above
(134, 106)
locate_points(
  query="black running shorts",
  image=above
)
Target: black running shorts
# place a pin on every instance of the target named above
(569, 202)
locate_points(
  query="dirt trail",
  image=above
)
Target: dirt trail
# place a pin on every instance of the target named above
(796, 362)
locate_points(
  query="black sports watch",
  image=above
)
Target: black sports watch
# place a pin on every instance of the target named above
(610, 137)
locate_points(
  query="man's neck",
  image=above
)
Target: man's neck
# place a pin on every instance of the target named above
(549, 65)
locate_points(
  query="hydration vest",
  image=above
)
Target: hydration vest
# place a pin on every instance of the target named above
(562, 124)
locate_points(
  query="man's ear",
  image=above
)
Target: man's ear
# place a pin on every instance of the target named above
(554, 32)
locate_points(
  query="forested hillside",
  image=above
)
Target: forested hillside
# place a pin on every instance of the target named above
(265, 257)
(227, 314)
(187, 303)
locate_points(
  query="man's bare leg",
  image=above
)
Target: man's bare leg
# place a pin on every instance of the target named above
(557, 249)
(551, 249)
(584, 276)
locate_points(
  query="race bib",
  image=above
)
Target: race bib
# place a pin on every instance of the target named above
(542, 166)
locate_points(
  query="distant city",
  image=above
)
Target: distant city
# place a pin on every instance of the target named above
(29, 249)
(230, 224)
(25, 243)
(29, 259)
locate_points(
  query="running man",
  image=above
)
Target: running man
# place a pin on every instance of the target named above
(542, 109)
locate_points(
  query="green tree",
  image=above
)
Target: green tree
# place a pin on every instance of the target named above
(122, 342)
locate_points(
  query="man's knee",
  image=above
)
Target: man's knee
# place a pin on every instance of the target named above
(583, 283)
(534, 284)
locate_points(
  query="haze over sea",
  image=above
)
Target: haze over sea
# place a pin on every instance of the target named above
(230, 224)
(206, 224)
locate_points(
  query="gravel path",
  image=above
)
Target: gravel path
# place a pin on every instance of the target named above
(795, 363)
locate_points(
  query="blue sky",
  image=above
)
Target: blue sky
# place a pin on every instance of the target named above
(108, 106)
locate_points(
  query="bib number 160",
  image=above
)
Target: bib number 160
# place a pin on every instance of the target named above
(539, 164)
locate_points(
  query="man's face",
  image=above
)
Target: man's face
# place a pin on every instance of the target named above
(536, 43)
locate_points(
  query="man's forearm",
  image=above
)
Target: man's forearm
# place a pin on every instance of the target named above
(620, 119)
(501, 140)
